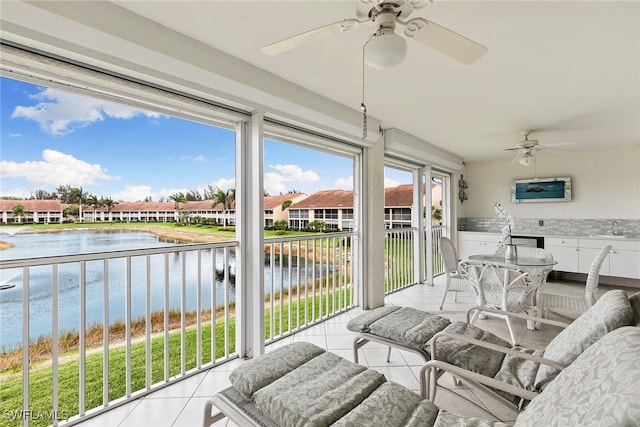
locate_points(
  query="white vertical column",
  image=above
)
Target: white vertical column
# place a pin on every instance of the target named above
(370, 202)
(249, 232)
(421, 198)
(428, 226)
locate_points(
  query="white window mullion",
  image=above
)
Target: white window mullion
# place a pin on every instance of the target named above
(249, 232)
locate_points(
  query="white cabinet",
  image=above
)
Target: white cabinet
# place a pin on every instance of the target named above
(473, 243)
(565, 251)
(623, 260)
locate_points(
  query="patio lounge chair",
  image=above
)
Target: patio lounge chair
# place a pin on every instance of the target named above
(303, 385)
(508, 375)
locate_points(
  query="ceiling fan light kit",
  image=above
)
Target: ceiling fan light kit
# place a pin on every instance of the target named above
(527, 159)
(385, 49)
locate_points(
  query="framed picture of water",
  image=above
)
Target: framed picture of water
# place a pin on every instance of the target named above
(541, 190)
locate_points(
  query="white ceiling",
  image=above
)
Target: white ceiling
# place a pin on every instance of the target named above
(569, 70)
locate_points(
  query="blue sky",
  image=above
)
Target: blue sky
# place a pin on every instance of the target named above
(51, 137)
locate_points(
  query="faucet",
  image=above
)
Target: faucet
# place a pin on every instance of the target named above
(616, 231)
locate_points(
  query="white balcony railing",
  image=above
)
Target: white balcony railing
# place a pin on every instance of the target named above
(148, 318)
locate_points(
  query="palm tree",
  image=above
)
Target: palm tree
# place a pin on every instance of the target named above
(226, 199)
(18, 212)
(178, 198)
(95, 202)
(109, 203)
(76, 195)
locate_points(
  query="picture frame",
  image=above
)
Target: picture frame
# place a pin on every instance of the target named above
(535, 190)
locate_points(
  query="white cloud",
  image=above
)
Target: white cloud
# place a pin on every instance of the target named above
(276, 182)
(224, 183)
(198, 158)
(60, 113)
(273, 183)
(168, 192)
(389, 182)
(133, 193)
(344, 183)
(294, 173)
(15, 135)
(55, 169)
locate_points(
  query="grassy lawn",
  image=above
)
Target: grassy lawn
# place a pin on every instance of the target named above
(40, 379)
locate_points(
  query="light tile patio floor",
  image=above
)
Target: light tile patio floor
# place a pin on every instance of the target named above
(182, 404)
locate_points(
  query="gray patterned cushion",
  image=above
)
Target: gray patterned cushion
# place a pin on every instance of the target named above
(519, 372)
(364, 321)
(610, 312)
(600, 388)
(391, 405)
(634, 300)
(257, 373)
(448, 419)
(409, 326)
(468, 356)
(317, 393)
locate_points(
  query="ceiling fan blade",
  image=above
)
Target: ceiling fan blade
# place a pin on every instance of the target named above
(311, 35)
(444, 40)
(512, 149)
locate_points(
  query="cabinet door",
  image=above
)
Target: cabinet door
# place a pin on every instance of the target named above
(567, 257)
(624, 263)
(587, 255)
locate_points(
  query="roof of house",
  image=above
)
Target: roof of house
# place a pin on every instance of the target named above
(400, 196)
(272, 202)
(326, 199)
(32, 205)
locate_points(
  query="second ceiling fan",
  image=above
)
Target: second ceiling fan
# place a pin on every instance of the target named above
(385, 48)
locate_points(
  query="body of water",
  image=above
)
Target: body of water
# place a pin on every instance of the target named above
(84, 242)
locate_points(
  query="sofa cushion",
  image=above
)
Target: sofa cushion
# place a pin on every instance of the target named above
(612, 311)
(259, 372)
(600, 388)
(469, 356)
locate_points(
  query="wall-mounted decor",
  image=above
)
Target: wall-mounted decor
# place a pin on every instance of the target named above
(541, 190)
(462, 187)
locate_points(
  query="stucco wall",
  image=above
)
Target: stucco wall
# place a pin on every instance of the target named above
(606, 184)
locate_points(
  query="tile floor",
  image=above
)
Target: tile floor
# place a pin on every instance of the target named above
(182, 404)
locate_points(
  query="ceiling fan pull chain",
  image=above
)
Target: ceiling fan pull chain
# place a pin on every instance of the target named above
(364, 120)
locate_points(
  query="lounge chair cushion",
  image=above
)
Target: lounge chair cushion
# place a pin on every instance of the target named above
(519, 372)
(363, 322)
(318, 392)
(449, 419)
(612, 311)
(253, 375)
(391, 405)
(405, 325)
(473, 358)
(600, 388)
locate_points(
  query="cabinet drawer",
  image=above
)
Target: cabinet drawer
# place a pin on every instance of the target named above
(561, 241)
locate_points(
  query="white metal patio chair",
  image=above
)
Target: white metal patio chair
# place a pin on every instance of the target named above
(570, 297)
(455, 282)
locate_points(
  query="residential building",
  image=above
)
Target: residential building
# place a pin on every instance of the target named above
(36, 211)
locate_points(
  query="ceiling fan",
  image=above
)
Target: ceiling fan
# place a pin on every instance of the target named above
(385, 48)
(526, 147)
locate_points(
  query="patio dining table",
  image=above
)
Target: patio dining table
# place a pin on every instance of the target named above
(538, 269)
